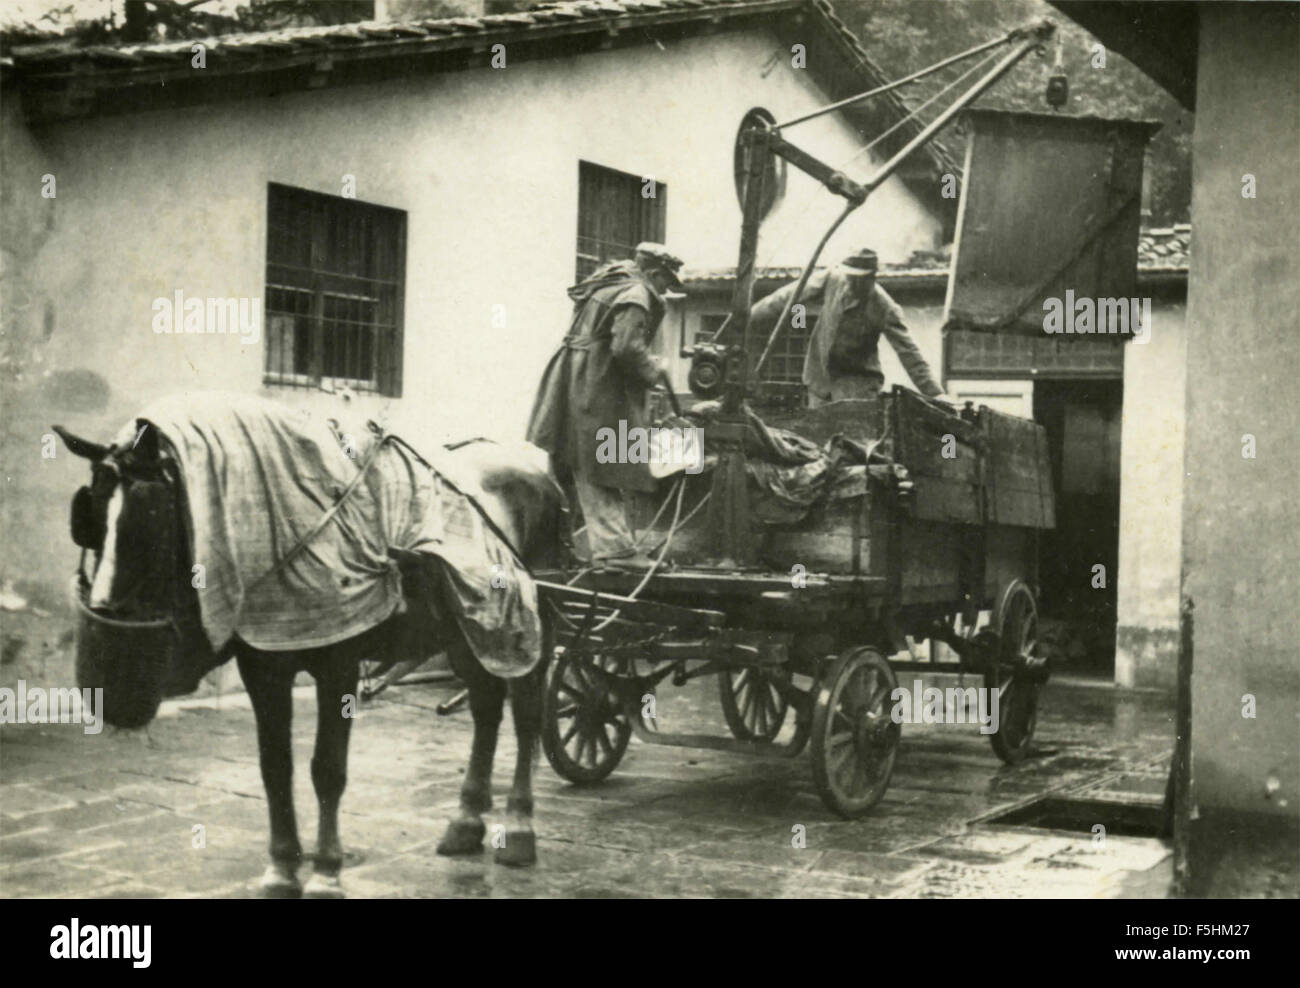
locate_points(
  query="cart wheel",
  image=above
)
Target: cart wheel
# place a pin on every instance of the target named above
(754, 708)
(584, 729)
(1016, 672)
(854, 739)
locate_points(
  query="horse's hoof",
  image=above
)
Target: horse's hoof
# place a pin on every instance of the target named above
(520, 849)
(279, 882)
(462, 837)
(323, 887)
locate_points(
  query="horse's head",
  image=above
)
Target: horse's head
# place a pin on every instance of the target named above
(129, 519)
(126, 516)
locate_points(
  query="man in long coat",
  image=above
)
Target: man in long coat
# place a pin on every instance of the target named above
(842, 361)
(599, 379)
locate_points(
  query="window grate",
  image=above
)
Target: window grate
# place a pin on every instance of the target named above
(969, 354)
(335, 275)
(615, 214)
(785, 362)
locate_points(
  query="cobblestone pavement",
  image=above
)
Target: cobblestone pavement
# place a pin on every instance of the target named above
(115, 814)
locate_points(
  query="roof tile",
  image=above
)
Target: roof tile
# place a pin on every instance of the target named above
(36, 56)
(508, 19)
(1157, 251)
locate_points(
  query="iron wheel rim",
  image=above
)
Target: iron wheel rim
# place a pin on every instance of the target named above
(855, 739)
(1018, 691)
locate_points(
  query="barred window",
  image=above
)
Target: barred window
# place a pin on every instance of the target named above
(335, 279)
(785, 362)
(615, 213)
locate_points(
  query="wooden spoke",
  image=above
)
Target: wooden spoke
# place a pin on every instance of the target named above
(754, 708)
(835, 741)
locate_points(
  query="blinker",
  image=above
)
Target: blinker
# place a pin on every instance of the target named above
(87, 530)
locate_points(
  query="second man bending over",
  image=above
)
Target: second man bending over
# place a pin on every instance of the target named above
(842, 361)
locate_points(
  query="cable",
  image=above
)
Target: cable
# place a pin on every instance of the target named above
(852, 205)
(691, 514)
(672, 529)
(921, 73)
(636, 543)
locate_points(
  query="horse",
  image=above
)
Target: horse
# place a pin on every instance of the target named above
(133, 519)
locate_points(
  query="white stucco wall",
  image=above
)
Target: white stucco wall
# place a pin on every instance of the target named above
(1151, 503)
(485, 163)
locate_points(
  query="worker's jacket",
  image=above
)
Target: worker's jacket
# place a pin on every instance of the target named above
(601, 375)
(842, 361)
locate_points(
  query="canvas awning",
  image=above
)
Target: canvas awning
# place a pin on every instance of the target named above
(1050, 205)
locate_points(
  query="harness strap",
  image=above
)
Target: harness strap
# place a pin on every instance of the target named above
(80, 587)
(487, 520)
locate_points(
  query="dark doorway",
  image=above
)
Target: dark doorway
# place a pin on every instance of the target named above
(1082, 419)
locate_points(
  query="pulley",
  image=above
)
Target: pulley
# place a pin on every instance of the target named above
(708, 371)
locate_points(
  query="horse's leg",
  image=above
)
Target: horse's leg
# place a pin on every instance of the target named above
(270, 689)
(486, 696)
(526, 708)
(336, 675)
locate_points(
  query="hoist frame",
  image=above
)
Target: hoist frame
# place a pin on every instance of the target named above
(729, 506)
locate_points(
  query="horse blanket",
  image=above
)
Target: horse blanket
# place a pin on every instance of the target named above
(259, 478)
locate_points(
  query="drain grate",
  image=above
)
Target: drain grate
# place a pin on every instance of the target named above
(1076, 815)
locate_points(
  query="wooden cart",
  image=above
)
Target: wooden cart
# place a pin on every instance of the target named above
(801, 617)
(945, 532)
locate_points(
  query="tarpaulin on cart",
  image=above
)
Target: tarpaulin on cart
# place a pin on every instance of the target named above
(789, 473)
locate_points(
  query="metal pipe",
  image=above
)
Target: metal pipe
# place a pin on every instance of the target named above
(742, 297)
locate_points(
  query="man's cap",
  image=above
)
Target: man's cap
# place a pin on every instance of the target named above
(657, 256)
(864, 261)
